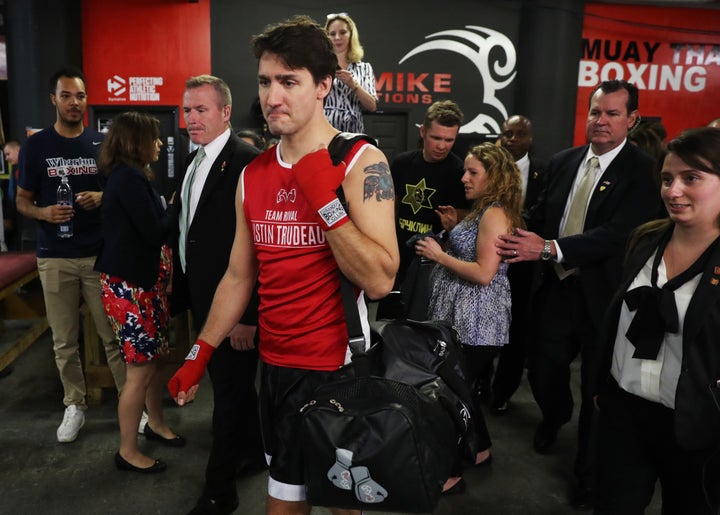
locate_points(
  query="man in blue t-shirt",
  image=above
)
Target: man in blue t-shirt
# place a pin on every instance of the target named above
(66, 265)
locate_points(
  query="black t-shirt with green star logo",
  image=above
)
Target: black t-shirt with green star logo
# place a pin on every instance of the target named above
(419, 188)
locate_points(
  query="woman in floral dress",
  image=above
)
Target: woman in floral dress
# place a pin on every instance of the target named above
(135, 268)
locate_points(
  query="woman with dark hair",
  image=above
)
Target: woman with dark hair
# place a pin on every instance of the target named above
(657, 374)
(354, 85)
(469, 283)
(135, 268)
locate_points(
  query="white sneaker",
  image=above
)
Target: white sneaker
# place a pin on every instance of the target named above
(73, 420)
(143, 423)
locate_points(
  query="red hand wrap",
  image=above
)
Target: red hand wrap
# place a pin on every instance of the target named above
(318, 180)
(192, 370)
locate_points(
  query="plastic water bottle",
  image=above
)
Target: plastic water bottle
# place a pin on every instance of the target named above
(65, 198)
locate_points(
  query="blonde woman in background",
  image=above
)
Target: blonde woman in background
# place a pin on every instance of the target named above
(353, 88)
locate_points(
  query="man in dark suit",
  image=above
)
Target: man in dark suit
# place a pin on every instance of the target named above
(517, 137)
(594, 196)
(206, 232)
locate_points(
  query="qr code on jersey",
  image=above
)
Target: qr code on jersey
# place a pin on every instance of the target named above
(332, 212)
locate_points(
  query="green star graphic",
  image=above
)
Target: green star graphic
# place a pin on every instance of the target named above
(418, 196)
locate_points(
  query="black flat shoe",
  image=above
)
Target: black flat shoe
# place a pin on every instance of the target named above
(457, 488)
(122, 464)
(545, 436)
(215, 506)
(178, 441)
(484, 463)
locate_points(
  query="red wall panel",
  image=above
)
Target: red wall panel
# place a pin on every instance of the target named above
(142, 51)
(671, 54)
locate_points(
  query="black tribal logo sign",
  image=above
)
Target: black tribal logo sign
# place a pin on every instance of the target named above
(475, 43)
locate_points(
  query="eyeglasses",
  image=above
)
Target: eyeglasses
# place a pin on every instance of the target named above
(336, 15)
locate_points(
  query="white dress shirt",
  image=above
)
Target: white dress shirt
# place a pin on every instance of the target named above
(655, 380)
(212, 151)
(604, 161)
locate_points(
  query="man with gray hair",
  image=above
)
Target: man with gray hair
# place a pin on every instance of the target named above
(206, 231)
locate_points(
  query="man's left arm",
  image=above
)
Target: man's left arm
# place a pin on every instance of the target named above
(366, 248)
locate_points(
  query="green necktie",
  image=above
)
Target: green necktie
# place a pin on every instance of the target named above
(185, 199)
(575, 221)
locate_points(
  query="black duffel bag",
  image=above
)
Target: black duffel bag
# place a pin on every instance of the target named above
(374, 443)
(386, 434)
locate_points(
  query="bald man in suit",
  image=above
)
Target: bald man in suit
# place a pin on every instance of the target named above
(517, 138)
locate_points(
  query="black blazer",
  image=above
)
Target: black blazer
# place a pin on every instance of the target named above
(697, 415)
(536, 176)
(211, 234)
(624, 198)
(134, 227)
(520, 274)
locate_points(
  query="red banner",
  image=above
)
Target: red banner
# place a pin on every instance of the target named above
(672, 55)
(141, 52)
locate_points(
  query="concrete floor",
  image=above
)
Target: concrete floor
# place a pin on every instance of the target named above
(40, 475)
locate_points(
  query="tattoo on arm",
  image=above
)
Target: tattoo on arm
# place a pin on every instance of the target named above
(378, 182)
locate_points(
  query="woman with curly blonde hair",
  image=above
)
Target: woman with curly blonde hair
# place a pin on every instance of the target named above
(469, 283)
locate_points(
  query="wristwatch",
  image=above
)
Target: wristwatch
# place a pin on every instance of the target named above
(546, 254)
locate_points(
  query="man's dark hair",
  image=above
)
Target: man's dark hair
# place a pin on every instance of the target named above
(300, 43)
(69, 72)
(611, 86)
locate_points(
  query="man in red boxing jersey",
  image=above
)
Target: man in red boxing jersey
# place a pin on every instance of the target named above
(294, 233)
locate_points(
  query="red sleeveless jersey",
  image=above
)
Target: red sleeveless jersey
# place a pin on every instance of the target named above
(301, 320)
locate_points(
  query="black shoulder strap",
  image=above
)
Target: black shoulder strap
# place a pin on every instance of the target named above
(338, 149)
(341, 144)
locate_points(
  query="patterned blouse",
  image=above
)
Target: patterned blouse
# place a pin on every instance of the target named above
(480, 314)
(342, 106)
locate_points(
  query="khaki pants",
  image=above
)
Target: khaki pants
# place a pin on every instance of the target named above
(63, 281)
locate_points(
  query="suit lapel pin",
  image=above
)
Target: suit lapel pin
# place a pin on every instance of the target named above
(714, 281)
(602, 188)
(222, 166)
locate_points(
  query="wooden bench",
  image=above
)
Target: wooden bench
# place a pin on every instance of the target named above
(17, 269)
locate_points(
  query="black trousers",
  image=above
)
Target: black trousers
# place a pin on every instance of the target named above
(479, 360)
(511, 362)
(564, 326)
(636, 447)
(235, 423)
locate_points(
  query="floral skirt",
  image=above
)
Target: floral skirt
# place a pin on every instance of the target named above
(138, 316)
